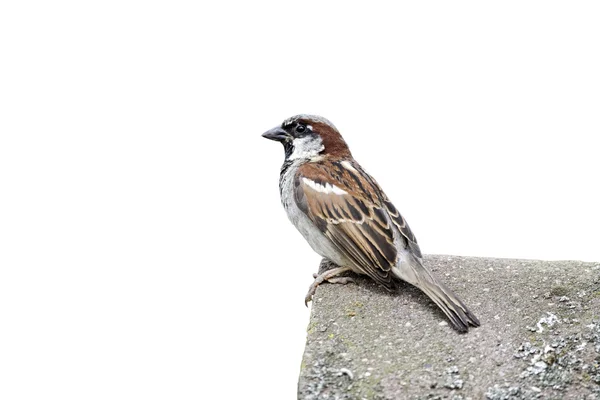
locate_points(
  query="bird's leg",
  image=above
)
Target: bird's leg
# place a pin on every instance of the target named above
(340, 279)
(328, 276)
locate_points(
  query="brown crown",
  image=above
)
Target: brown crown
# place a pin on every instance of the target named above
(333, 142)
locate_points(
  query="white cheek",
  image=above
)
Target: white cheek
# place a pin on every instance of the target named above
(306, 148)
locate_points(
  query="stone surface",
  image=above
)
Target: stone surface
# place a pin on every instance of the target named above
(539, 335)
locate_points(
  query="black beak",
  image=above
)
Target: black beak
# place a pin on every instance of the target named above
(276, 133)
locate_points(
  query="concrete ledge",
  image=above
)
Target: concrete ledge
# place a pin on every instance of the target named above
(540, 335)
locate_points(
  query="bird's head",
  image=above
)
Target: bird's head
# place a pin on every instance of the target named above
(307, 137)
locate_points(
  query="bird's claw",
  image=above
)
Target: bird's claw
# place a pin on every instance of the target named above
(322, 278)
(311, 291)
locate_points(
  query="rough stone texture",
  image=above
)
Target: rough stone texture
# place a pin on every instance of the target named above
(539, 335)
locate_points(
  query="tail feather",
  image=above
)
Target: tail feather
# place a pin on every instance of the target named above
(450, 304)
(413, 272)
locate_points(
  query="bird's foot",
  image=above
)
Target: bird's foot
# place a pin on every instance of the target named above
(329, 276)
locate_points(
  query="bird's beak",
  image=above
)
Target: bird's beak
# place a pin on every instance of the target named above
(276, 133)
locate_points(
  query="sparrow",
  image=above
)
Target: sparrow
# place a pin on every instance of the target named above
(346, 217)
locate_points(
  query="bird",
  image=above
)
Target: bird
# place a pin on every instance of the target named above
(345, 216)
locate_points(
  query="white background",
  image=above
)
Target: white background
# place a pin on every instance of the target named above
(144, 253)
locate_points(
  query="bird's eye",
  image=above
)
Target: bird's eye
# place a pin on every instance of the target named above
(300, 128)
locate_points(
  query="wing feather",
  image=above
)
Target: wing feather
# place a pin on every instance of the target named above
(402, 226)
(353, 217)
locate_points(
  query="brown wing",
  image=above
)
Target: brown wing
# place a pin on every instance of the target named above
(348, 209)
(410, 240)
(400, 223)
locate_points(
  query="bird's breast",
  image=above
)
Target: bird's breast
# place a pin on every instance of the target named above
(320, 243)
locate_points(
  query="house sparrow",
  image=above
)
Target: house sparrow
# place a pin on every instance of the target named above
(346, 218)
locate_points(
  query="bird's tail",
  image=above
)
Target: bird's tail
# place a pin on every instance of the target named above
(412, 271)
